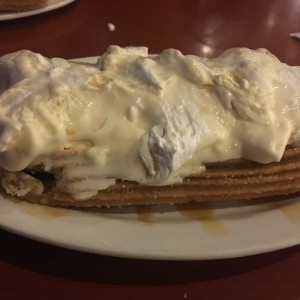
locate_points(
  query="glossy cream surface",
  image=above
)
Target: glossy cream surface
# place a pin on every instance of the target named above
(150, 119)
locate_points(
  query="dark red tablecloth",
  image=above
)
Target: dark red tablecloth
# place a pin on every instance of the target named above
(32, 270)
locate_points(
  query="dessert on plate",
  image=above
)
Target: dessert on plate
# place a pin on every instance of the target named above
(135, 128)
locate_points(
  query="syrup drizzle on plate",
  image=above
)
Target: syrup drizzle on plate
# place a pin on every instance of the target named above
(202, 212)
(292, 212)
(145, 213)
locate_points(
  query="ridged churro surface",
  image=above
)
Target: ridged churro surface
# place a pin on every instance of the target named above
(229, 180)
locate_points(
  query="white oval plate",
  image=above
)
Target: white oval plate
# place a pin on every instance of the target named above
(166, 232)
(51, 5)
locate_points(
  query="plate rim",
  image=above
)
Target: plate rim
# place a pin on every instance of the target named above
(66, 243)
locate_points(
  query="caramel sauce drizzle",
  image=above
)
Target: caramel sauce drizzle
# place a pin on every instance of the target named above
(145, 213)
(201, 212)
(204, 213)
(292, 212)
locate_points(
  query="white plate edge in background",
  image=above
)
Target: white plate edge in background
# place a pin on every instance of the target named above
(52, 5)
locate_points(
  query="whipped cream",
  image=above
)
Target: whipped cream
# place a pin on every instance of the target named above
(150, 119)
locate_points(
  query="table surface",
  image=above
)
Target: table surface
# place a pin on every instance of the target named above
(33, 270)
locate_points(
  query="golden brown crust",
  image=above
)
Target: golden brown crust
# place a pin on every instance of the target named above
(229, 180)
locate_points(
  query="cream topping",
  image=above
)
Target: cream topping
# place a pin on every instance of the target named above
(150, 119)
